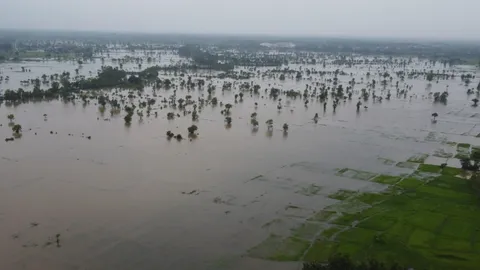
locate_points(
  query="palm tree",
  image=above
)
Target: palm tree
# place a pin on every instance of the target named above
(434, 115)
(11, 117)
(475, 101)
(17, 128)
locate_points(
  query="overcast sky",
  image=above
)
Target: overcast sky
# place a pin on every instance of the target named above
(439, 19)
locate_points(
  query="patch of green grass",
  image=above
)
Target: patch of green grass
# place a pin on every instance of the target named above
(409, 183)
(322, 215)
(357, 235)
(460, 228)
(392, 191)
(435, 219)
(277, 248)
(407, 165)
(418, 158)
(426, 220)
(347, 219)
(399, 232)
(445, 193)
(452, 183)
(421, 238)
(292, 249)
(348, 206)
(462, 156)
(342, 194)
(386, 179)
(454, 260)
(453, 244)
(32, 54)
(372, 198)
(266, 248)
(328, 233)
(463, 145)
(423, 176)
(308, 230)
(452, 171)
(455, 210)
(421, 203)
(320, 251)
(377, 223)
(353, 250)
(429, 168)
(396, 252)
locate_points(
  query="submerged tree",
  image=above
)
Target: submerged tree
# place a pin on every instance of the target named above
(285, 127)
(128, 118)
(269, 123)
(192, 129)
(434, 115)
(440, 97)
(475, 101)
(430, 76)
(17, 128)
(11, 117)
(228, 106)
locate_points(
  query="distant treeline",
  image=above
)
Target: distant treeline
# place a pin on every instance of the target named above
(455, 52)
(204, 59)
(226, 61)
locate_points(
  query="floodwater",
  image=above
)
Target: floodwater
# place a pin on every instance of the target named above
(128, 198)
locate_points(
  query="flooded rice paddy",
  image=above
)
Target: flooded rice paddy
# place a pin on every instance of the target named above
(81, 190)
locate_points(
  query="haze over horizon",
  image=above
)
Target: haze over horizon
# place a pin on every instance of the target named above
(424, 19)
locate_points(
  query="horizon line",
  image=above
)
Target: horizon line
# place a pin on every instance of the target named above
(266, 35)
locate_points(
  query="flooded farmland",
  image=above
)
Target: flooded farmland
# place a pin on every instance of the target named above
(81, 189)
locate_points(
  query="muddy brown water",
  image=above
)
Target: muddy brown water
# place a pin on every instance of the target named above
(130, 199)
